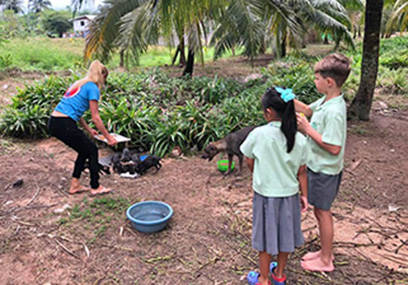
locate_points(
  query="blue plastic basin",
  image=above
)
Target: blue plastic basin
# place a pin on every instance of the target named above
(149, 216)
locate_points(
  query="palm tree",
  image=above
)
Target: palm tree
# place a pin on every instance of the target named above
(14, 5)
(399, 17)
(133, 25)
(361, 104)
(77, 4)
(37, 6)
(254, 23)
(354, 10)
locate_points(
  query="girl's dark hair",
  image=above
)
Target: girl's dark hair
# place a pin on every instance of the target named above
(286, 111)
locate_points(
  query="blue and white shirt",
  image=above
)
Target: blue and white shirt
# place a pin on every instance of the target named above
(76, 100)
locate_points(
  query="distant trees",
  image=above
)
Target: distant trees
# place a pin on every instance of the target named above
(37, 6)
(11, 25)
(56, 22)
(15, 5)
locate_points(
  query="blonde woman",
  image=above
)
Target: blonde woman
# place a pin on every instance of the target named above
(84, 94)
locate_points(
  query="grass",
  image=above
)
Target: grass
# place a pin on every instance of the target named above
(42, 53)
(95, 216)
(46, 54)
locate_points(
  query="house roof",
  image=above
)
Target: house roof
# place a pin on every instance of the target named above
(88, 17)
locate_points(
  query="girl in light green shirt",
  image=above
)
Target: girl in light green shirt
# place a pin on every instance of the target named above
(276, 154)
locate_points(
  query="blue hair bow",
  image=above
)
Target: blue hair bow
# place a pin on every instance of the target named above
(286, 94)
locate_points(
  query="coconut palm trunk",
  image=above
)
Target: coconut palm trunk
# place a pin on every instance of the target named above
(361, 105)
(190, 63)
(180, 50)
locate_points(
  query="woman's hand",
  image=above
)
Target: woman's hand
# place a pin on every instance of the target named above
(93, 132)
(302, 123)
(304, 203)
(111, 140)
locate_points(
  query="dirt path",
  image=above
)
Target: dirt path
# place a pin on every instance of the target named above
(208, 240)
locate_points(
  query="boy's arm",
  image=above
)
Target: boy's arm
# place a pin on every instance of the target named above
(302, 177)
(303, 108)
(250, 163)
(305, 128)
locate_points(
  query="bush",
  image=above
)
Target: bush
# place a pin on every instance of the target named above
(27, 115)
(159, 112)
(295, 74)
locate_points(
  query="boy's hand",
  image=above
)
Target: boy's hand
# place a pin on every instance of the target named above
(304, 203)
(302, 123)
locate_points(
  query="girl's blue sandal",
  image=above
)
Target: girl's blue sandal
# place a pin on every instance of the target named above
(253, 276)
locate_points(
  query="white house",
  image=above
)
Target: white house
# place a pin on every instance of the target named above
(81, 24)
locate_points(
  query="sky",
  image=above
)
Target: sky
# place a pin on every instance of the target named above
(61, 4)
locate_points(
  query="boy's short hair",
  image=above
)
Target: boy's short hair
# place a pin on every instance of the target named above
(336, 66)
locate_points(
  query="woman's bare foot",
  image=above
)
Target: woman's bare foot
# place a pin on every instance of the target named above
(100, 191)
(76, 187)
(313, 255)
(317, 264)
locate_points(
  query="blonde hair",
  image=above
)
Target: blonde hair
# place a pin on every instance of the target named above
(336, 66)
(97, 73)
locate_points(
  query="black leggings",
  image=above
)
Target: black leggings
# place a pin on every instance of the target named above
(66, 130)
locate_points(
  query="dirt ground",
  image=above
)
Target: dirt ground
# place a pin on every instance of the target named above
(50, 237)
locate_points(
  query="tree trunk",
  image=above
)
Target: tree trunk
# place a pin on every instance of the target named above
(190, 63)
(182, 61)
(122, 58)
(175, 55)
(361, 105)
(325, 39)
(283, 46)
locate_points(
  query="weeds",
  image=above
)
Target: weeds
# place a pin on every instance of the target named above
(95, 216)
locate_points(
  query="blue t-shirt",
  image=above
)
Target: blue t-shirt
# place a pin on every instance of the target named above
(76, 100)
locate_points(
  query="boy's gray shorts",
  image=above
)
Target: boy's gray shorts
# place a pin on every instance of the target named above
(322, 189)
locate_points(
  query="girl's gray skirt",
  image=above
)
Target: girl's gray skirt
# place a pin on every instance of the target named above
(276, 224)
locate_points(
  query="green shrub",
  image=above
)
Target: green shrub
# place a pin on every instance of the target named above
(5, 61)
(395, 59)
(295, 74)
(27, 115)
(156, 111)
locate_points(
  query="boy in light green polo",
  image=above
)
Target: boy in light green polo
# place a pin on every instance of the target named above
(326, 138)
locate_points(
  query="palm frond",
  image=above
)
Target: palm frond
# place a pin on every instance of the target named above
(104, 29)
(399, 16)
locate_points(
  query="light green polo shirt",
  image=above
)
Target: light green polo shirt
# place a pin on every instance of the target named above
(330, 120)
(275, 170)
